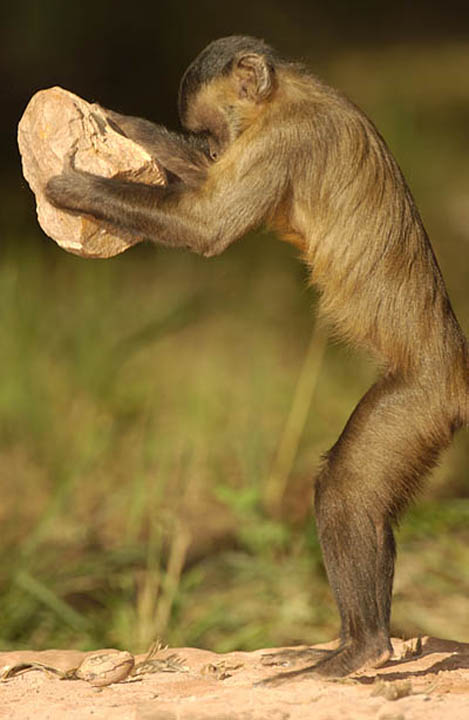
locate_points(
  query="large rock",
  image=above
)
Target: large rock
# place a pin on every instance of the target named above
(57, 121)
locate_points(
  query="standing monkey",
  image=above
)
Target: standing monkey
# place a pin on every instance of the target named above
(265, 141)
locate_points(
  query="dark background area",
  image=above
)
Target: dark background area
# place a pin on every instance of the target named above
(131, 56)
(143, 399)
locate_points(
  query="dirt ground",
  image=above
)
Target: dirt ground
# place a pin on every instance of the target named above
(427, 681)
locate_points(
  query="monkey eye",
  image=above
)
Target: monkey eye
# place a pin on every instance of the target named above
(213, 155)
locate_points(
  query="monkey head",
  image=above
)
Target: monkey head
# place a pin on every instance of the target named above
(224, 88)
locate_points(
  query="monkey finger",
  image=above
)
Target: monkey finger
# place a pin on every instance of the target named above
(69, 159)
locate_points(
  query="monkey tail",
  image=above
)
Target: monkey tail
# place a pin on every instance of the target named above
(464, 394)
(465, 404)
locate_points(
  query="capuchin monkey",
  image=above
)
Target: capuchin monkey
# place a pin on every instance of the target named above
(266, 142)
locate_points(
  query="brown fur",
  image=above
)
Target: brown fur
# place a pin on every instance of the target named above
(299, 156)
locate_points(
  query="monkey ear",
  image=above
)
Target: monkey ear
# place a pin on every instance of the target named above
(255, 76)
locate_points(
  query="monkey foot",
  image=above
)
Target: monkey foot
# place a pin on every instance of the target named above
(336, 663)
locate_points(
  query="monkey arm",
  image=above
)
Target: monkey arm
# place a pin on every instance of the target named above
(237, 196)
(185, 155)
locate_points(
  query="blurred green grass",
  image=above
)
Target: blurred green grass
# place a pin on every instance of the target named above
(143, 401)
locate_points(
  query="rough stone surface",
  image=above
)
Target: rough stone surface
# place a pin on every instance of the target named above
(433, 685)
(57, 122)
(107, 668)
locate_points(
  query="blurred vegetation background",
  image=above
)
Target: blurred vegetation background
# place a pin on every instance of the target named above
(162, 416)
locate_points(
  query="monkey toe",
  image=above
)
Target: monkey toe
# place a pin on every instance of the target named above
(281, 678)
(290, 657)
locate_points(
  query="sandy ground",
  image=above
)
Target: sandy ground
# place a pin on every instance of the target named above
(191, 684)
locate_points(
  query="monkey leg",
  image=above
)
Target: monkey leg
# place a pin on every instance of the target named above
(392, 438)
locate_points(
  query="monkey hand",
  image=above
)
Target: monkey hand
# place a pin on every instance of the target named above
(70, 190)
(121, 123)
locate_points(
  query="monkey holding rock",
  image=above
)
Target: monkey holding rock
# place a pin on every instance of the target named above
(265, 141)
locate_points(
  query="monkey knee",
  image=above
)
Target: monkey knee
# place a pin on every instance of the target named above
(331, 501)
(345, 499)
(335, 486)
